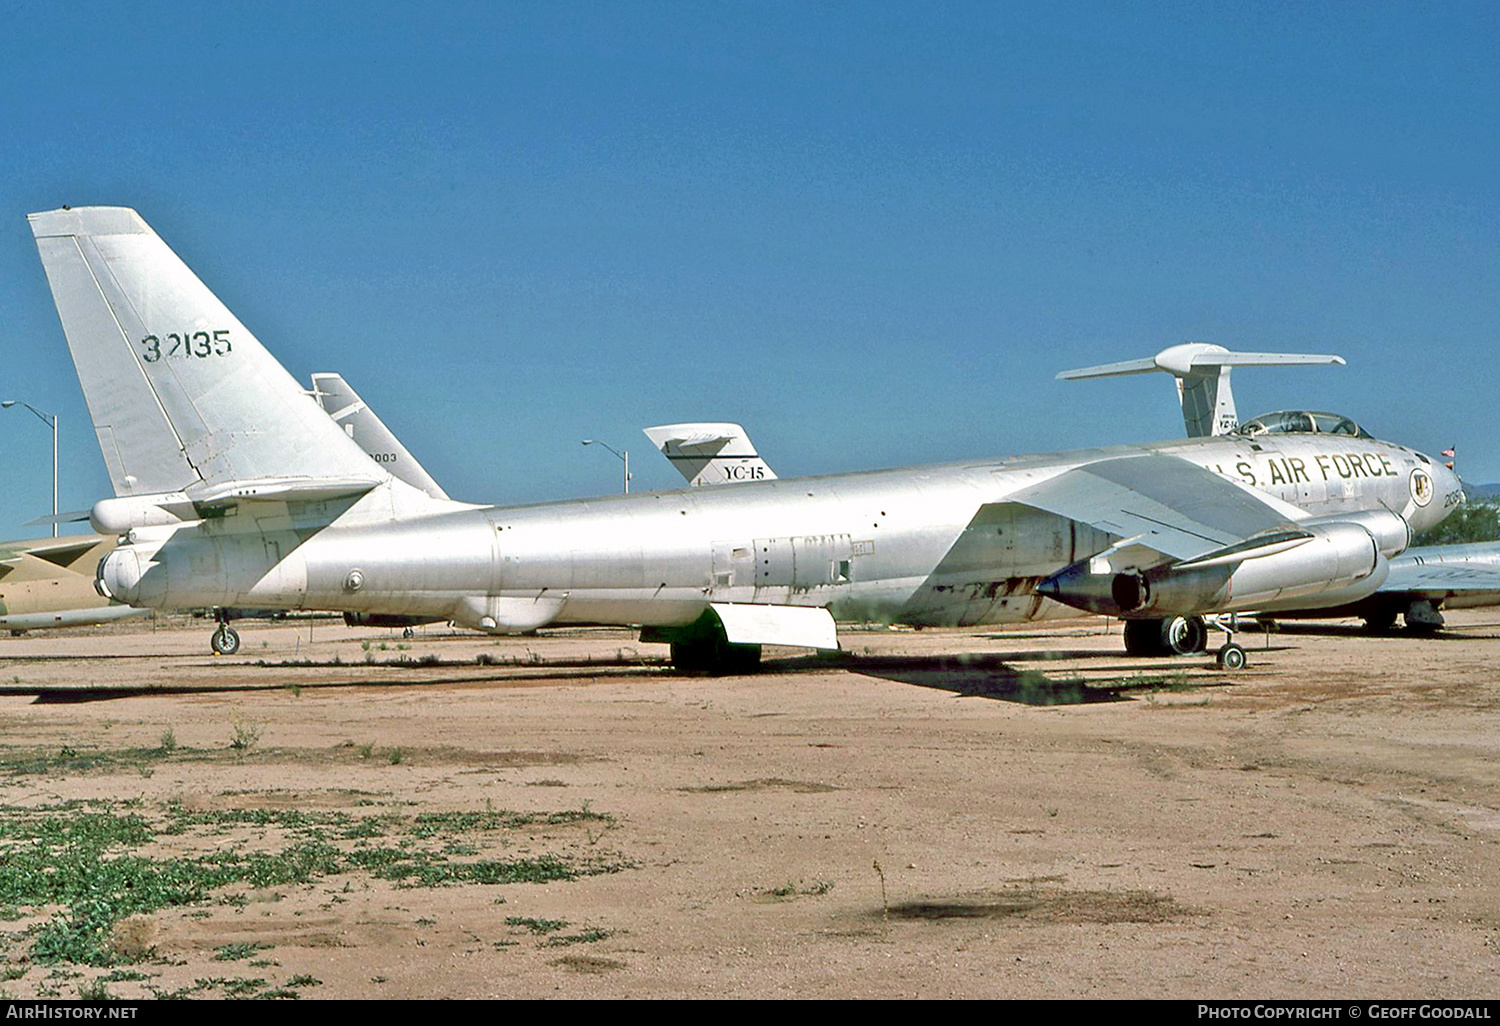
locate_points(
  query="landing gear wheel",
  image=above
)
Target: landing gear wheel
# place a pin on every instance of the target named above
(1184, 635)
(226, 640)
(692, 656)
(1231, 657)
(714, 657)
(408, 633)
(1143, 638)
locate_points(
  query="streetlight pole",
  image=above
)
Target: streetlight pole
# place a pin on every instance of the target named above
(623, 456)
(50, 419)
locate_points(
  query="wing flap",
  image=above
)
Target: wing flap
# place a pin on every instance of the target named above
(800, 626)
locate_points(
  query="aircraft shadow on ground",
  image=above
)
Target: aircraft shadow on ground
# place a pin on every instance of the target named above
(1351, 630)
(994, 676)
(977, 675)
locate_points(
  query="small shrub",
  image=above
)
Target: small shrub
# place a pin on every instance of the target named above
(245, 735)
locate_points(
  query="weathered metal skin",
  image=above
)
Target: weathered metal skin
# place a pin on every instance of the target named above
(236, 489)
(927, 546)
(1338, 556)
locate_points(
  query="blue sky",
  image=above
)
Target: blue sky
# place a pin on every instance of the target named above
(870, 232)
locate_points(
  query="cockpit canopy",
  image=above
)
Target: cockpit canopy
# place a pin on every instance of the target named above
(1301, 422)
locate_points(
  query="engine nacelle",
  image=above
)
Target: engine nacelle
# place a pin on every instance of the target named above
(119, 515)
(1342, 559)
(1390, 530)
(121, 573)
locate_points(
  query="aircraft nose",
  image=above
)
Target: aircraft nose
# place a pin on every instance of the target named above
(1436, 497)
(1450, 488)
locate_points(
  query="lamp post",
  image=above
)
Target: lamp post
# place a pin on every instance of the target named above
(50, 419)
(623, 456)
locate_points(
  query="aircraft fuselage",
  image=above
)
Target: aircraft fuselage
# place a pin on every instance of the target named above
(927, 546)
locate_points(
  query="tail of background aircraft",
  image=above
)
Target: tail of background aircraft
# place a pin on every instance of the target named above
(1202, 373)
(369, 432)
(182, 395)
(710, 454)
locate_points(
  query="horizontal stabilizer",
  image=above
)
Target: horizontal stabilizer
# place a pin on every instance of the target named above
(1199, 357)
(1202, 373)
(800, 626)
(279, 489)
(75, 516)
(710, 454)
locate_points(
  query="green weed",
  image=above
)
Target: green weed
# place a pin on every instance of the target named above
(245, 735)
(83, 860)
(537, 926)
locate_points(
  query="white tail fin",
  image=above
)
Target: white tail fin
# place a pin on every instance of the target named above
(369, 432)
(1202, 373)
(710, 454)
(181, 393)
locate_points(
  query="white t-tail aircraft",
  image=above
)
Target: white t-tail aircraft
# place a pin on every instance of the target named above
(1422, 581)
(235, 489)
(710, 454)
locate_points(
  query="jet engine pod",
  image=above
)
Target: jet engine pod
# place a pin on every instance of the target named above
(119, 575)
(1300, 564)
(1090, 584)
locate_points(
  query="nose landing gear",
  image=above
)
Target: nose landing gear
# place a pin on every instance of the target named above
(225, 640)
(1184, 635)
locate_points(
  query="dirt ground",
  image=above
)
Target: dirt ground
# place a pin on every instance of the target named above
(994, 813)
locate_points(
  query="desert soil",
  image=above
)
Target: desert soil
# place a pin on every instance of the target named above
(910, 819)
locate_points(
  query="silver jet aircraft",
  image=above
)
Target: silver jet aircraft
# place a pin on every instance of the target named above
(234, 489)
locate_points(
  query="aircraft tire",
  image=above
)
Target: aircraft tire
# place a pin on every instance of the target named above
(714, 657)
(1144, 638)
(694, 656)
(225, 640)
(1231, 657)
(1184, 635)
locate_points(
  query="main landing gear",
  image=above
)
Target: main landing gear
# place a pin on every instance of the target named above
(702, 648)
(1183, 635)
(225, 640)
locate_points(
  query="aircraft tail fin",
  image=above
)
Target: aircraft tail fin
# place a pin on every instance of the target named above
(1202, 373)
(710, 454)
(369, 432)
(181, 394)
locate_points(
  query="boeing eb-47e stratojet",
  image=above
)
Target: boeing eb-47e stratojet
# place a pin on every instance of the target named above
(234, 489)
